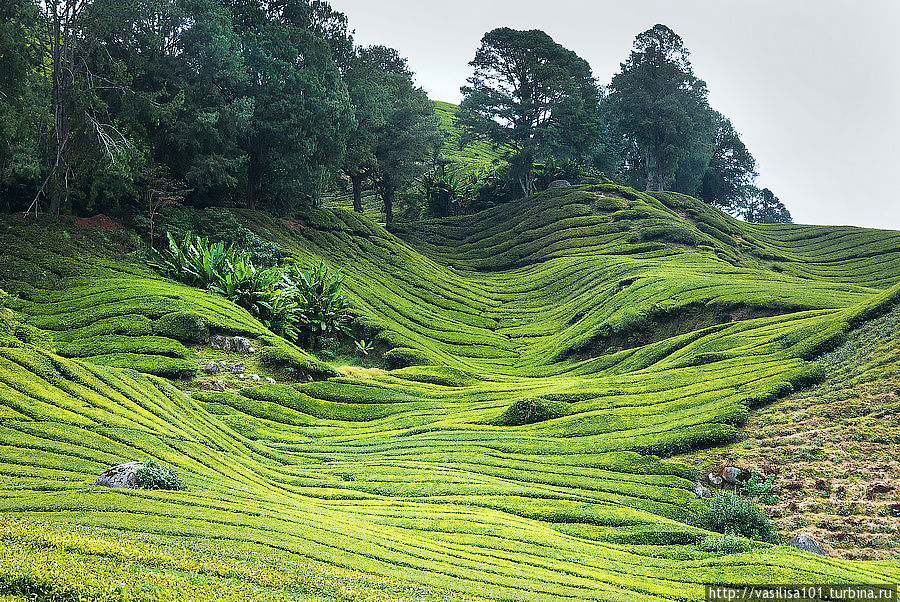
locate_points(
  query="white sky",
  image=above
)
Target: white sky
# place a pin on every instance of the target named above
(812, 85)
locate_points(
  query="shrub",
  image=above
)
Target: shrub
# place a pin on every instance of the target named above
(760, 487)
(723, 545)
(731, 513)
(403, 357)
(305, 306)
(529, 411)
(153, 475)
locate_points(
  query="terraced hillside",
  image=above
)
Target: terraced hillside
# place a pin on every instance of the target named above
(647, 324)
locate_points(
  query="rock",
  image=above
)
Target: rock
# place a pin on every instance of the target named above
(211, 368)
(122, 475)
(218, 342)
(714, 479)
(701, 491)
(807, 544)
(240, 345)
(251, 350)
(270, 380)
(559, 184)
(255, 377)
(733, 474)
(238, 367)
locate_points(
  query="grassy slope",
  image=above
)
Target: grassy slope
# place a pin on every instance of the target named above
(833, 447)
(471, 157)
(401, 474)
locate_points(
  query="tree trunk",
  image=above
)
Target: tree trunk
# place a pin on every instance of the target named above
(357, 182)
(254, 176)
(388, 195)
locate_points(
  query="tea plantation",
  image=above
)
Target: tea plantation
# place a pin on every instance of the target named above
(536, 365)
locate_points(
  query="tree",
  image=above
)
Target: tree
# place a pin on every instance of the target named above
(406, 130)
(763, 207)
(21, 102)
(731, 170)
(660, 107)
(531, 96)
(368, 75)
(300, 111)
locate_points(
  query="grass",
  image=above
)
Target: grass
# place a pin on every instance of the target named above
(410, 475)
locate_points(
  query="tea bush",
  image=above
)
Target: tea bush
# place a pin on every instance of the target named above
(153, 475)
(731, 513)
(724, 545)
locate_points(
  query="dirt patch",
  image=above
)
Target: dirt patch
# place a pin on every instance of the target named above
(296, 225)
(98, 222)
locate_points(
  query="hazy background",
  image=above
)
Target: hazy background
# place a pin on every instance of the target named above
(812, 86)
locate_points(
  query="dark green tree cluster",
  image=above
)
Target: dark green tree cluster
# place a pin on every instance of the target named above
(235, 102)
(653, 128)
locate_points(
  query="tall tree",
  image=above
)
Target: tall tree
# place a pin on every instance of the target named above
(301, 110)
(762, 207)
(660, 106)
(731, 170)
(21, 104)
(532, 96)
(404, 130)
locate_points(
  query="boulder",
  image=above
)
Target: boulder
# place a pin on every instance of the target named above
(211, 368)
(701, 491)
(807, 544)
(270, 380)
(218, 342)
(238, 367)
(734, 475)
(255, 377)
(241, 345)
(122, 475)
(714, 479)
(559, 184)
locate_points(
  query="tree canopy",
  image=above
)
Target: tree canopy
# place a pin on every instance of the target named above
(532, 96)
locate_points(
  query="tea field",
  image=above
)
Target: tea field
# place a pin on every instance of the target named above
(643, 325)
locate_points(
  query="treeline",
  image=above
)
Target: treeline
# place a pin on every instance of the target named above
(116, 105)
(652, 128)
(128, 107)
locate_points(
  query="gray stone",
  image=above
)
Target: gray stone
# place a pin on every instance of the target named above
(701, 491)
(238, 367)
(733, 474)
(270, 380)
(807, 544)
(559, 184)
(714, 479)
(255, 377)
(211, 368)
(218, 342)
(122, 475)
(240, 345)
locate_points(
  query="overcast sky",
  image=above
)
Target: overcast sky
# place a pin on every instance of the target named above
(812, 85)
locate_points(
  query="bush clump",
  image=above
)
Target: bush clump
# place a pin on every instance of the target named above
(153, 475)
(731, 513)
(723, 545)
(531, 410)
(306, 307)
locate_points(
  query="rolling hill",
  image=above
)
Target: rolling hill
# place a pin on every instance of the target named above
(651, 323)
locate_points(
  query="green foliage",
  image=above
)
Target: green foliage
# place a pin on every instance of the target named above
(306, 306)
(724, 545)
(529, 411)
(732, 513)
(532, 96)
(153, 475)
(759, 487)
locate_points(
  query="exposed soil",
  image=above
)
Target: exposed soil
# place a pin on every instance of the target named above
(98, 222)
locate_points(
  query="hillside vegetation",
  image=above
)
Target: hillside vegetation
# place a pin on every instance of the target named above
(642, 325)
